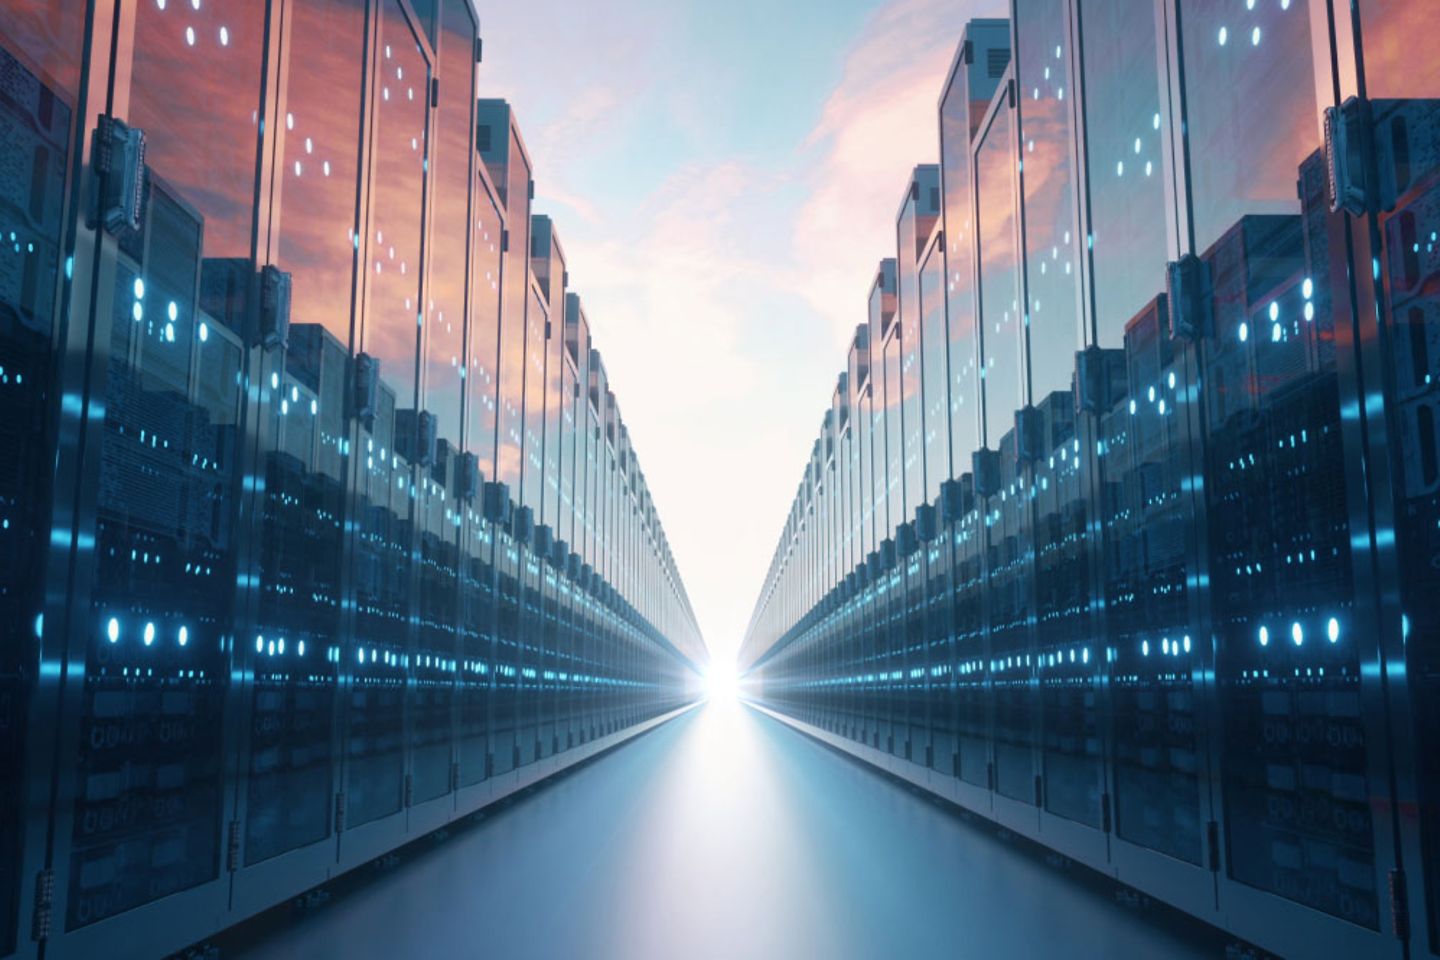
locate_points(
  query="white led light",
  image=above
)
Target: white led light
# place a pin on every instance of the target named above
(1332, 630)
(112, 630)
(184, 636)
(149, 635)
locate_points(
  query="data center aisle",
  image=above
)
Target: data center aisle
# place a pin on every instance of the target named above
(724, 834)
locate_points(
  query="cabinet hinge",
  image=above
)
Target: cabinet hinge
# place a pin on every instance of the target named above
(1399, 905)
(232, 847)
(44, 904)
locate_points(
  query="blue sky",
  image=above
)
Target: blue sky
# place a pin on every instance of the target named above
(724, 178)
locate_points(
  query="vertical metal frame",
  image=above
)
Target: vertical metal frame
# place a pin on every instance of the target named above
(92, 264)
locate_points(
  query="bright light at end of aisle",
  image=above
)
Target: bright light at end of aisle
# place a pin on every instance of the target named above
(721, 682)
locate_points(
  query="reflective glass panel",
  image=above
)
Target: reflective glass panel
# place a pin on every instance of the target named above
(1252, 118)
(157, 665)
(40, 46)
(1048, 193)
(999, 277)
(1123, 139)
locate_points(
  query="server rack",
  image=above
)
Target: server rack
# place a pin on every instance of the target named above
(1190, 495)
(264, 427)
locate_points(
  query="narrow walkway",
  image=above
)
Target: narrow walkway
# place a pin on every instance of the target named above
(727, 835)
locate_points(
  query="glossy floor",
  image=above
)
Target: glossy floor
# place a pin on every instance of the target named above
(725, 834)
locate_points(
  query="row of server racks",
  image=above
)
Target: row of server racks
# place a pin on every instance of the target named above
(319, 523)
(1122, 528)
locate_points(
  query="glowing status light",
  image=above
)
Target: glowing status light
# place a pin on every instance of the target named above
(1145, 648)
(224, 36)
(1297, 633)
(184, 636)
(1224, 35)
(149, 635)
(1264, 637)
(1274, 310)
(1307, 289)
(137, 311)
(112, 630)
(190, 36)
(1155, 122)
(1186, 641)
(1255, 37)
(1244, 332)
(1309, 311)
(204, 332)
(1332, 630)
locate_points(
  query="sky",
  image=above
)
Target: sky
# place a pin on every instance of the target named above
(724, 178)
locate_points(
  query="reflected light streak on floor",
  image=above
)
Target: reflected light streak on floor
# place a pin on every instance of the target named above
(724, 835)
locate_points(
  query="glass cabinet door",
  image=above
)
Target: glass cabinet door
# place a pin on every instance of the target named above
(177, 349)
(1293, 753)
(41, 57)
(385, 502)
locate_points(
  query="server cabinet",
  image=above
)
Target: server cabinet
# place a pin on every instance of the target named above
(1387, 219)
(979, 64)
(54, 83)
(1071, 761)
(1290, 651)
(498, 140)
(149, 712)
(1001, 480)
(435, 667)
(476, 486)
(393, 441)
(1155, 654)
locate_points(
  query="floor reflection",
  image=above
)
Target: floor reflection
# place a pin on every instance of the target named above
(724, 835)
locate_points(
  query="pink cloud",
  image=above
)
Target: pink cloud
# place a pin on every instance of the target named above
(878, 124)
